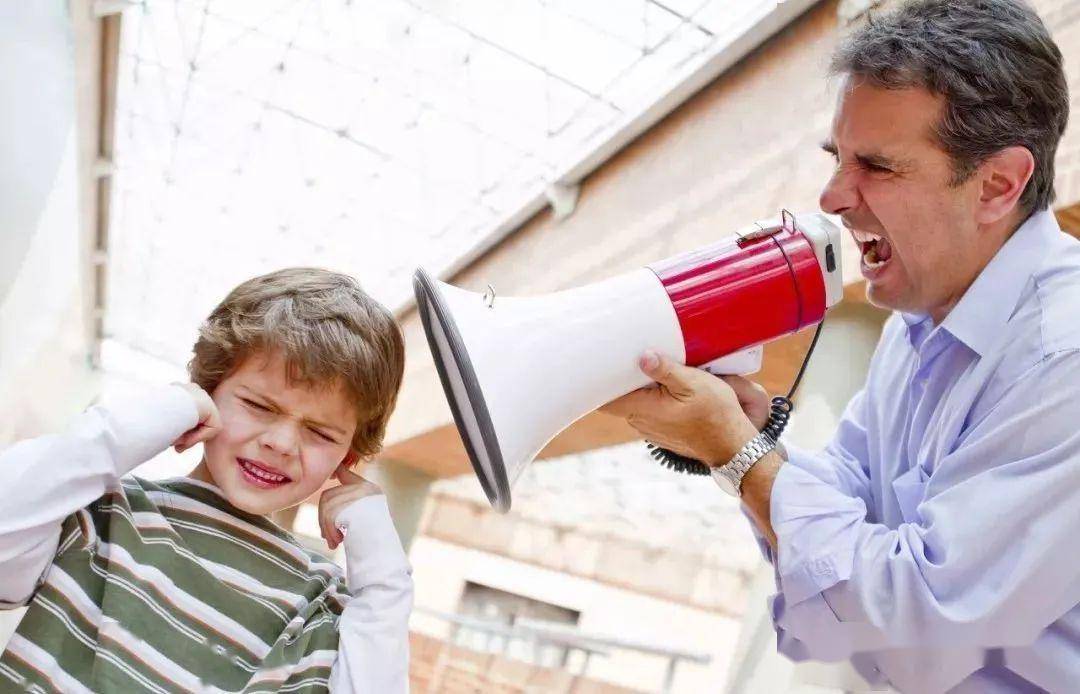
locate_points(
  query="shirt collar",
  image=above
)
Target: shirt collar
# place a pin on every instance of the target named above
(988, 304)
(918, 324)
(913, 320)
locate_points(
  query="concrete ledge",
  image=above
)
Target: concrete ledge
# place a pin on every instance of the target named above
(671, 574)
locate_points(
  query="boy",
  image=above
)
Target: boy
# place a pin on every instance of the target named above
(184, 584)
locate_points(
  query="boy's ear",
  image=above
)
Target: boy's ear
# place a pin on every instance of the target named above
(350, 459)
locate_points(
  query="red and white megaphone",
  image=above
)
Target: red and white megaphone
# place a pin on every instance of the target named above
(518, 370)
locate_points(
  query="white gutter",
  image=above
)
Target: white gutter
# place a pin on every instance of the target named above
(753, 30)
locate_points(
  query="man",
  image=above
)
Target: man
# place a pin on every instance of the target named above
(933, 542)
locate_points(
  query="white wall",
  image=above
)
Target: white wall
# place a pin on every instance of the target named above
(36, 119)
(836, 372)
(44, 373)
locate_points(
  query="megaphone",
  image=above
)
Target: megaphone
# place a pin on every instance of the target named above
(518, 370)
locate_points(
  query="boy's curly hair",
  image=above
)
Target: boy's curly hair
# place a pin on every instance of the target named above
(328, 331)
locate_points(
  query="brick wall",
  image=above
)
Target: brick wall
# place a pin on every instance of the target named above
(439, 667)
(1062, 17)
(684, 576)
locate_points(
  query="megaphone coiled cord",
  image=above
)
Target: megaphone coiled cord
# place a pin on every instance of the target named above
(779, 415)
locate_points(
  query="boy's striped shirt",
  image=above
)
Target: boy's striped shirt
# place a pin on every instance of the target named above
(166, 587)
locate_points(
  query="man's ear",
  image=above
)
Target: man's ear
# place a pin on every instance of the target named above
(1004, 177)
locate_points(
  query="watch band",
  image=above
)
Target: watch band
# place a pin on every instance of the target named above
(729, 476)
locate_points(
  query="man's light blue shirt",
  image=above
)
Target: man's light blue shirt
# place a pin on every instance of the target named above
(935, 542)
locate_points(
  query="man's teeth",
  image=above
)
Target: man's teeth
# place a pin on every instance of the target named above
(263, 474)
(870, 243)
(864, 236)
(872, 261)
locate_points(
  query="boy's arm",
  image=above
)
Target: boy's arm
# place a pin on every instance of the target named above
(373, 650)
(44, 480)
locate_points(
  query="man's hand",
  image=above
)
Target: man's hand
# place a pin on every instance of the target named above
(209, 420)
(334, 500)
(693, 412)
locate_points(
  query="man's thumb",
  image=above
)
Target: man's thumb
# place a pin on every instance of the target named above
(662, 369)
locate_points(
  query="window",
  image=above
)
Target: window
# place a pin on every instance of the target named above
(500, 608)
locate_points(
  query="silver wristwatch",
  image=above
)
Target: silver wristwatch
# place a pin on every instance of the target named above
(729, 476)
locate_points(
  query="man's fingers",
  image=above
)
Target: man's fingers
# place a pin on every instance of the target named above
(744, 388)
(627, 405)
(669, 373)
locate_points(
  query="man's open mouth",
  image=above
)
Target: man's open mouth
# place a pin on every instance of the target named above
(261, 476)
(876, 251)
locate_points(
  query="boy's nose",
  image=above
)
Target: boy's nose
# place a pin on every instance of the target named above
(281, 438)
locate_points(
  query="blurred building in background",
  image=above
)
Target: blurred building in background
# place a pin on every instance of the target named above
(156, 153)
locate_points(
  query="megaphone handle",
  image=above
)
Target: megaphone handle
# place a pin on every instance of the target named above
(779, 415)
(741, 363)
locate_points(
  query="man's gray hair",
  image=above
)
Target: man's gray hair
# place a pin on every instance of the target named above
(996, 67)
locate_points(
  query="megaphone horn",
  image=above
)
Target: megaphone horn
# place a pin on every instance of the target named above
(518, 370)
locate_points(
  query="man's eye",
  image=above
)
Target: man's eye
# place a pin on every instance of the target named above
(877, 168)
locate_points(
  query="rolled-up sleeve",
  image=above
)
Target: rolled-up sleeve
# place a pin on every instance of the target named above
(982, 563)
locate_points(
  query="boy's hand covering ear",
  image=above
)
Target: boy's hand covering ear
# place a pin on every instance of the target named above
(209, 420)
(335, 499)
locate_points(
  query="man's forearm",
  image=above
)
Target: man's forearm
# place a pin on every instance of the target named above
(757, 487)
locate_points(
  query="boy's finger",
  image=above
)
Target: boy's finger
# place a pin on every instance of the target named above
(183, 443)
(327, 528)
(204, 432)
(324, 526)
(214, 420)
(347, 476)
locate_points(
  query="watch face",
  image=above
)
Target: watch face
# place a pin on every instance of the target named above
(724, 483)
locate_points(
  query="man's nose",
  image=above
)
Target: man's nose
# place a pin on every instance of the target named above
(840, 193)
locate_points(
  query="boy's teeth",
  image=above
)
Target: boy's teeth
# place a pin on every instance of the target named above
(259, 472)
